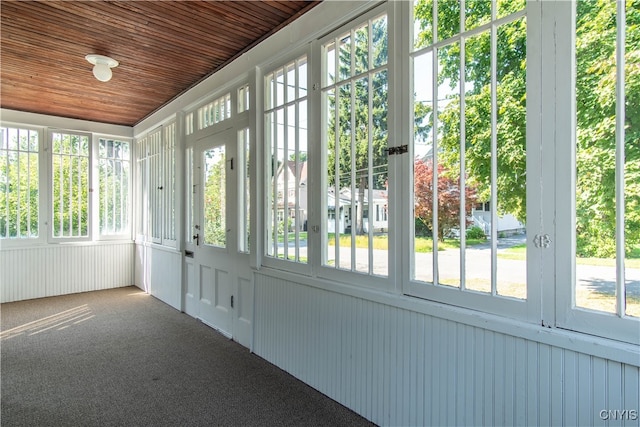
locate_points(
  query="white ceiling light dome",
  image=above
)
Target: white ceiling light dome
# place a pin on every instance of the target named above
(102, 66)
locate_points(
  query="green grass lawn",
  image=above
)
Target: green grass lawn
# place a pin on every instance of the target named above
(422, 244)
(633, 261)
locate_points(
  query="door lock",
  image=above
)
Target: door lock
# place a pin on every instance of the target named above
(196, 237)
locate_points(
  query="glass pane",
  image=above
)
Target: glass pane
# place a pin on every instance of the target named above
(448, 18)
(512, 159)
(302, 78)
(344, 57)
(423, 23)
(214, 197)
(423, 167)
(279, 88)
(477, 119)
(595, 145)
(448, 167)
(378, 208)
(361, 53)
(346, 198)
(291, 82)
(330, 64)
(362, 163)
(379, 45)
(477, 13)
(507, 7)
(632, 163)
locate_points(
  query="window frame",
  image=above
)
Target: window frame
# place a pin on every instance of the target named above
(567, 315)
(267, 219)
(156, 163)
(90, 181)
(43, 195)
(527, 309)
(388, 282)
(125, 234)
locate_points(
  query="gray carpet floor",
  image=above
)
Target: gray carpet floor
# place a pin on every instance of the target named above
(123, 358)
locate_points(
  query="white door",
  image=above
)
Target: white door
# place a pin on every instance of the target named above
(218, 277)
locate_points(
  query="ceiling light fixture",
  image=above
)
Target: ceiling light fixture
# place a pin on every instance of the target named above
(102, 66)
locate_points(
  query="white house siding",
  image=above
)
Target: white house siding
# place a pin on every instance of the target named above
(397, 366)
(43, 271)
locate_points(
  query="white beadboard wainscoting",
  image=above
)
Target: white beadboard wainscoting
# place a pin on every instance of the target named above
(399, 366)
(158, 271)
(44, 271)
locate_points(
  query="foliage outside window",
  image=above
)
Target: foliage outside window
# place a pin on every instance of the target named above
(355, 129)
(214, 203)
(19, 190)
(114, 177)
(286, 136)
(469, 116)
(244, 194)
(70, 172)
(607, 189)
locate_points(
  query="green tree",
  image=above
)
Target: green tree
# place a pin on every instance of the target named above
(360, 102)
(18, 184)
(214, 199)
(595, 88)
(596, 131)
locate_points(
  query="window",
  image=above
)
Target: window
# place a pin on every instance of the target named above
(285, 130)
(469, 146)
(114, 177)
(214, 112)
(244, 195)
(169, 184)
(355, 168)
(156, 170)
(214, 202)
(243, 99)
(71, 177)
(19, 189)
(598, 270)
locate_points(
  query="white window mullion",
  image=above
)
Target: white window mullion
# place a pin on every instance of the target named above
(434, 158)
(370, 170)
(620, 159)
(494, 152)
(336, 168)
(353, 173)
(463, 181)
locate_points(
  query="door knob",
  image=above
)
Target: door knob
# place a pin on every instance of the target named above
(196, 237)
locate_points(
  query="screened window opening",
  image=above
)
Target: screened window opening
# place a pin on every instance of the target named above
(607, 155)
(355, 131)
(469, 146)
(114, 177)
(19, 189)
(286, 136)
(214, 112)
(244, 194)
(70, 172)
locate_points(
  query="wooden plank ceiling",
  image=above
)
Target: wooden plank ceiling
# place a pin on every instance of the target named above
(163, 47)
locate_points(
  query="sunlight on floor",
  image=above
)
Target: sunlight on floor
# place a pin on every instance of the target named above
(61, 320)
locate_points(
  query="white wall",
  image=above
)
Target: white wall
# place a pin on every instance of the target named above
(44, 271)
(158, 271)
(399, 366)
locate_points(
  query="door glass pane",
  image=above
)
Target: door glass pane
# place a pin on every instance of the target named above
(214, 197)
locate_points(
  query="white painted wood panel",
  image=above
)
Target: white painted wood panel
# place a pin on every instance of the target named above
(44, 271)
(159, 272)
(400, 367)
